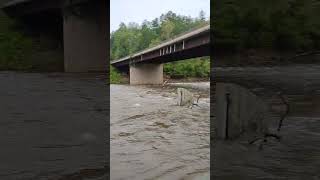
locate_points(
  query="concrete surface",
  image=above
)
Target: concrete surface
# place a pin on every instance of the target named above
(146, 74)
(86, 38)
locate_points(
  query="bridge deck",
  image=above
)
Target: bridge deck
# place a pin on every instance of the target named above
(14, 2)
(23, 7)
(196, 38)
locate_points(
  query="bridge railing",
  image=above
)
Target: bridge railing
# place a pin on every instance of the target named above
(166, 42)
(179, 35)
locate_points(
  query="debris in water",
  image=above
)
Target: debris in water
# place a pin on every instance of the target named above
(163, 125)
(125, 134)
(186, 98)
(135, 116)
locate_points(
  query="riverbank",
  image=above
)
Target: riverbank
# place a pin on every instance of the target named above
(193, 70)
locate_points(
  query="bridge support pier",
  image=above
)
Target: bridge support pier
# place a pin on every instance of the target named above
(238, 111)
(85, 37)
(146, 74)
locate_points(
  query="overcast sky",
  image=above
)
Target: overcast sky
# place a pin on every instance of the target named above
(138, 10)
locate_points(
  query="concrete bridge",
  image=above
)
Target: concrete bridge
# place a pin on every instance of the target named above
(146, 67)
(82, 23)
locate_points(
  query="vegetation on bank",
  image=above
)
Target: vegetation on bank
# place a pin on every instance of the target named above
(278, 25)
(115, 76)
(199, 67)
(24, 53)
(15, 49)
(132, 37)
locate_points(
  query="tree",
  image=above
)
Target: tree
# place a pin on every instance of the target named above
(167, 30)
(278, 25)
(202, 15)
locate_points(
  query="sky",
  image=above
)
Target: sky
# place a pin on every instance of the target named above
(139, 10)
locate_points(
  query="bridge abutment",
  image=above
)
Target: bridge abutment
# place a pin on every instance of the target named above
(85, 37)
(146, 74)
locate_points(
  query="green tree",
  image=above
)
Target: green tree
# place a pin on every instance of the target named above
(280, 25)
(130, 38)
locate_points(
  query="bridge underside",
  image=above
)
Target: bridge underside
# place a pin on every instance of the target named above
(197, 49)
(81, 28)
(150, 71)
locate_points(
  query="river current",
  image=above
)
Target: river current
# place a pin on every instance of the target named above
(153, 138)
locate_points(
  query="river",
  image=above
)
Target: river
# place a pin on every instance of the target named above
(53, 126)
(153, 138)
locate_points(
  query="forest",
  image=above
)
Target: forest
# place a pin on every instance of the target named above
(134, 37)
(277, 25)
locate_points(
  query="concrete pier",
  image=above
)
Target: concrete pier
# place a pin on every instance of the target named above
(146, 74)
(86, 43)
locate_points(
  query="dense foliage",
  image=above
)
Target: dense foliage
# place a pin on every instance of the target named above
(199, 67)
(115, 76)
(130, 38)
(13, 46)
(22, 52)
(285, 25)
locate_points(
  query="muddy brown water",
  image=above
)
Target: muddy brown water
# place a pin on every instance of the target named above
(53, 126)
(153, 138)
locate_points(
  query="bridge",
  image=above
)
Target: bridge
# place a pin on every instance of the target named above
(146, 67)
(84, 28)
